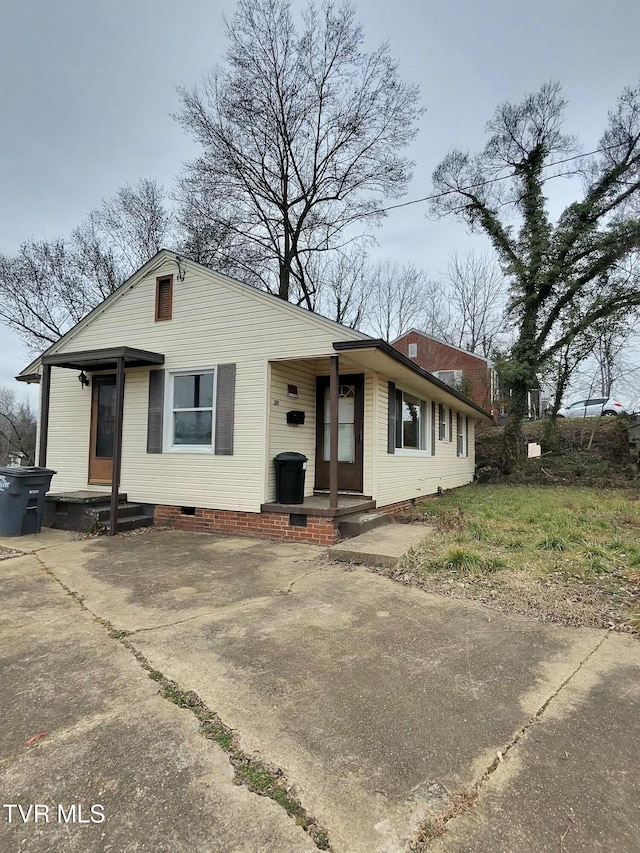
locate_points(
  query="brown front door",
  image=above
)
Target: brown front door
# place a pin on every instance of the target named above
(350, 423)
(103, 420)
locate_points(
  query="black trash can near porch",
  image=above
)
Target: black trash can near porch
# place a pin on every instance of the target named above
(290, 474)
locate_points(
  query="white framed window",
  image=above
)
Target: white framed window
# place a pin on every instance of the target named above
(411, 422)
(462, 429)
(413, 350)
(449, 377)
(190, 417)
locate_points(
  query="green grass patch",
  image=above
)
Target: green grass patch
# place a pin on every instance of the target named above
(544, 535)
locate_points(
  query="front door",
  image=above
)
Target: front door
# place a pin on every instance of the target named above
(103, 421)
(350, 424)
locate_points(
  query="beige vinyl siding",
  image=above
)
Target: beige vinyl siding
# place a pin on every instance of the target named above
(214, 322)
(283, 436)
(400, 477)
(69, 420)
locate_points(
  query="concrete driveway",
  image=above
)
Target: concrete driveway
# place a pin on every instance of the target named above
(382, 706)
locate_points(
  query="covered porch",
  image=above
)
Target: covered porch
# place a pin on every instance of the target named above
(112, 361)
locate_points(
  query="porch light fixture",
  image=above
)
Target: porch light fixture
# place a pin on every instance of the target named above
(83, 379)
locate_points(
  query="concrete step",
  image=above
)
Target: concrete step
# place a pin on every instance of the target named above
(131, 523)
(381, 547)
(125, 510)
(362, 522)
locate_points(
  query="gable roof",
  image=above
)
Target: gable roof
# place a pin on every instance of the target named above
(443, 343)
(30, 374)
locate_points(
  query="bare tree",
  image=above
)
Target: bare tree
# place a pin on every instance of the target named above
(398, 299)
(468, 307)
(49, 285)
(17, 428)
(551, 266)
(301, 134)
(135, 224)
(341, 283)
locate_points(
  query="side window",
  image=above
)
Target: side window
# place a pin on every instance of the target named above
(191, 400)
(410, 421)
(461, 429)
(413, 350)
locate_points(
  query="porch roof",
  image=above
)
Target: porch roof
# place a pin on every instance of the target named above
(100, 359)
(379, 356)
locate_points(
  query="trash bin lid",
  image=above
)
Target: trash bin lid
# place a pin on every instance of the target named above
(290, 456)
(25, 471)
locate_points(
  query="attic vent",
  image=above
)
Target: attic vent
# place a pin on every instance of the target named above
(164, 297)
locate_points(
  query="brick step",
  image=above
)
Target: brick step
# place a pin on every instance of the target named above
(361, 522)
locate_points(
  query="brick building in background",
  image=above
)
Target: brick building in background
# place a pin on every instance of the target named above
(468, 372)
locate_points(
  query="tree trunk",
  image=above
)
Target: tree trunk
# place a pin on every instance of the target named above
(512, 443)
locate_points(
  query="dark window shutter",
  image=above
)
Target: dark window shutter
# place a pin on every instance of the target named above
(225, 401)
(156, 410)
(450, 424)
(391, 427)
(466, 435)
(433, 428)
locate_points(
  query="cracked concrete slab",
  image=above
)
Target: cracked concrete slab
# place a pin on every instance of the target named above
(375, 699)
(573, 782)
(110, 740)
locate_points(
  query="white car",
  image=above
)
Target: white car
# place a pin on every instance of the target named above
(592, 408)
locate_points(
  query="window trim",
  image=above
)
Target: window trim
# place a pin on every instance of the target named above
(160, 280)
(442, 422)
(426, 449)
(462, 435)
(168, 445)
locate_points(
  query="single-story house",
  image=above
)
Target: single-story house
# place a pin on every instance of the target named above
(191, 383)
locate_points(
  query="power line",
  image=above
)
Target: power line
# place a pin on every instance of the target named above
(487, 183)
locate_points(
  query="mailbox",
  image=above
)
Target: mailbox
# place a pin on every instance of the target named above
(296, 418)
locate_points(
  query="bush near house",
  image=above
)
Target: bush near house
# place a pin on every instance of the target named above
(593, 452)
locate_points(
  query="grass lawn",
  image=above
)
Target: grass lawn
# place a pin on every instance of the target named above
(564, 554)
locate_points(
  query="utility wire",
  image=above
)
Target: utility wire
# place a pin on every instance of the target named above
(486, 183)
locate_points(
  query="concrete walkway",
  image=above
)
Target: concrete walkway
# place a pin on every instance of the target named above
(380, 703)
(380, 547)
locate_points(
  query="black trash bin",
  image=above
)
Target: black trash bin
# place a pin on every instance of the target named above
(22, 492)
(290, 469)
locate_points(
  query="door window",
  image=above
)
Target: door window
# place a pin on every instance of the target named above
(346, 424)
(106, 420)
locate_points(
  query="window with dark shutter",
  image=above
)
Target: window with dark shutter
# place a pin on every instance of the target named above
(225, 404)
(155, 411)
(391, 422)
(164, 297)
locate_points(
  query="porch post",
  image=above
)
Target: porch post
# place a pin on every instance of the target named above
(45, 396)
(333, 421)
(117, 448)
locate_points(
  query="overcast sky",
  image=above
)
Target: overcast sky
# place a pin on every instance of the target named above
(88, 88)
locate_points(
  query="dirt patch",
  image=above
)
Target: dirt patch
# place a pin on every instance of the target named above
(552, 600)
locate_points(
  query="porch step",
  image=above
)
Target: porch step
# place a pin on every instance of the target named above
(125, 510)
(132, 522)
(361, 522)
(382, 547)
